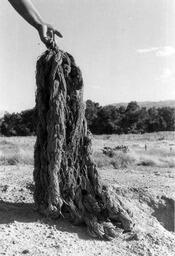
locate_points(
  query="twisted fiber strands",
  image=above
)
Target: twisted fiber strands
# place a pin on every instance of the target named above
(66, 178)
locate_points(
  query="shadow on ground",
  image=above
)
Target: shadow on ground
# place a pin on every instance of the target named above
(22, 212)
(165, 214)
(26, 213)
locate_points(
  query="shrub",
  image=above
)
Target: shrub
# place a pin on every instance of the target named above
(118, 160)
(146, 162)
(122, 160)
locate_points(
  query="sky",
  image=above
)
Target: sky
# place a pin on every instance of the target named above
(125, 49)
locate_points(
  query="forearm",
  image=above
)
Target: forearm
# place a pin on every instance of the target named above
(27, 10)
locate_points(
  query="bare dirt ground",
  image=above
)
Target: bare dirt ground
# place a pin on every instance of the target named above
(148, 191)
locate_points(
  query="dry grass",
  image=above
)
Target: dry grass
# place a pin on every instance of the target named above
(119, 160)
(160, 150)
(16, 158)
(16, 150)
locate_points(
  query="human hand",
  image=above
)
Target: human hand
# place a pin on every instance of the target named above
(47, 34)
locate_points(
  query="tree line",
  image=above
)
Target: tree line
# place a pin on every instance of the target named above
(130, 119)
(101, 120)
(18, 124)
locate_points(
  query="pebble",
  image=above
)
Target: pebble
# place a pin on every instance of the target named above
(25, 251)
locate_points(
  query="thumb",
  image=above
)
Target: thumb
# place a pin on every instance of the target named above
(56, 32)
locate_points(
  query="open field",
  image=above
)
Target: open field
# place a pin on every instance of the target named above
(159, 151)
(143, 176)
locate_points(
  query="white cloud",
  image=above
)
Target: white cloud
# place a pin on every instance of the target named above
(166, 75)
(147, 50)
(164, 51)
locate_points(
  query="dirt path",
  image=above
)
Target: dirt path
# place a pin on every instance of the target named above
(149, 193)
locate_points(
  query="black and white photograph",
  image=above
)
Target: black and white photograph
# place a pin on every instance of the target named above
(87, 127)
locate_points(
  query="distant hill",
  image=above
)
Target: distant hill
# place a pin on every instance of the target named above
(147, 104)
(150, 104)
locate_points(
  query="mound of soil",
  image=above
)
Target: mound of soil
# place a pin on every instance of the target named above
(151, 198)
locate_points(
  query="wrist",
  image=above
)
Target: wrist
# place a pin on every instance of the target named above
(38, 25)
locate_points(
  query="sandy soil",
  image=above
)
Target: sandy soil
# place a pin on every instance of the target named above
(148, 192)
